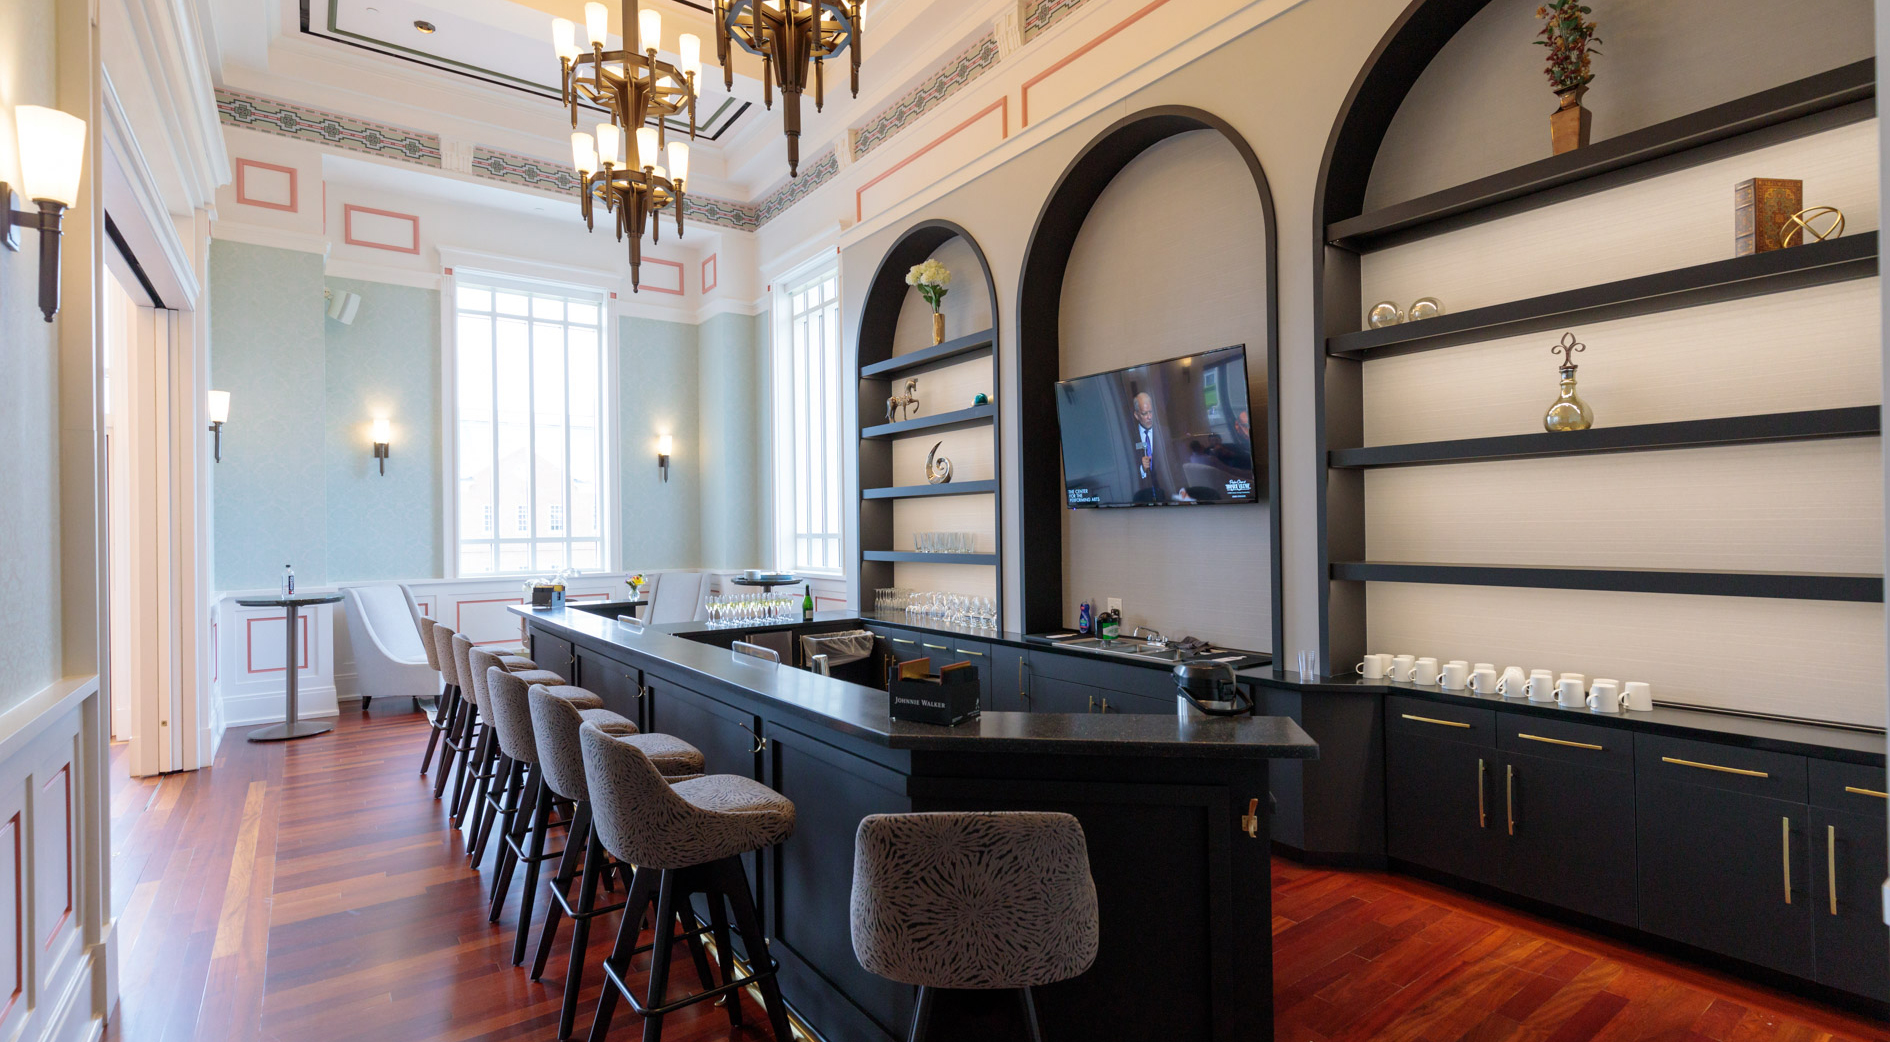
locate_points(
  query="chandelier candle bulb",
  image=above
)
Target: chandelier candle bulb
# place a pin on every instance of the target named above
(650, 31)
(583, 152)
(647, 151)
(607, 138)
(597, 23)
(679, 162)
(689, 47)
(564, 39)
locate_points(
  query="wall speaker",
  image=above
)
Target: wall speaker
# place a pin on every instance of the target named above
(342, 306)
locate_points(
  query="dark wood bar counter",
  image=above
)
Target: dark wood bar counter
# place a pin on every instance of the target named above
(1175, 813)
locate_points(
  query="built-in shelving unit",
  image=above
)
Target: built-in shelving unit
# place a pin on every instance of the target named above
(1852, 422)
(881, 374)
(1795, 110)
(938, 354)
(1813, 264)
(954, 488)
(1805, 586)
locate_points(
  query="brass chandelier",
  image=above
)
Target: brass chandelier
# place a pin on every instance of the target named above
(632, 86)
(788, 34)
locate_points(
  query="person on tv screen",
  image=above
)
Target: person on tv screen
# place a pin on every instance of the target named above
(1156, 472)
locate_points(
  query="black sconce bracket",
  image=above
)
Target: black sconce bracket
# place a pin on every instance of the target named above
(217, 429)
(380, 453)
(662, 464)
(47, 222)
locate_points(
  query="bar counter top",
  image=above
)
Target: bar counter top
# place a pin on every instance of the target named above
(864, 712)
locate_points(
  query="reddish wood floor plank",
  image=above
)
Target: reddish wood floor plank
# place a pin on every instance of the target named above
(314, 891)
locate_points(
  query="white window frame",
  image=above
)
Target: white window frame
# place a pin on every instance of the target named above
(486, 269)
(781, 435)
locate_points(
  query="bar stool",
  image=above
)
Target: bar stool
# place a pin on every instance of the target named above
(440, 716)
(973, 900)
(454, 705)
(555, 724)
(496, 798)
(483, 763)
(684, 838)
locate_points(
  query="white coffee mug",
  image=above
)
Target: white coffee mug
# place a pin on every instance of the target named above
(1569, 693)
(1639, 696)
(1424, 672)
(1510, 685)
(1455, 676)
(1541, 686)
(1374, 667)
(1402, 666)
(1481, 665)
(1605, 696)
(1573, 676)
(1483, 681)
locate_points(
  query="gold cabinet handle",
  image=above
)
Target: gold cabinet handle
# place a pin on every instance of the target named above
(642, 689)
(760, 742)
(1785, 843)
(938, 647)
(962, 651)
(1092, 703)
(1105, 705)
(1483, 817)
(1714, 767)
(1867, 792)
(1430, 720)
(1509, 794)
(1250, 821)
(1558, 741)
(1830, 864)
(901, 640)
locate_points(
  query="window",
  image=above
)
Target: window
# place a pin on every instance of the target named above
(530, 371)
(807, 407)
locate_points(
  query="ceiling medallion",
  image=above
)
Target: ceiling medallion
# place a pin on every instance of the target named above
(633, 86)
(788, 34)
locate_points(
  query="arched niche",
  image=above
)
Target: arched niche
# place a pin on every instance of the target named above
(895, 329)
(1041, 323)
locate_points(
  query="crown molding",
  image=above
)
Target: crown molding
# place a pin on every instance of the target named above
(386, 274)
(275, 238)
(456, 257)
(727, 306)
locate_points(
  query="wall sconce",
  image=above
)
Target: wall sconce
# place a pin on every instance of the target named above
(219, 415)
(664, 443)
(382, 434)
(52, 154)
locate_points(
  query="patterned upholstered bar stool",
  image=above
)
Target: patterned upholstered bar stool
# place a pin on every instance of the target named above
(476, 783)
(523, 833)
(454, 703)
(684, 838)
(440, 716)
(973, 900)
(555, 725)
(500, 778)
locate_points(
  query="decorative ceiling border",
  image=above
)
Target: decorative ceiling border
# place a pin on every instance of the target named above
(817, 173)
(273, 116)
(967, 66)
(1046, 13)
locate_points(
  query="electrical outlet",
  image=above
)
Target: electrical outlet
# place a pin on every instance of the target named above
(1115, 604)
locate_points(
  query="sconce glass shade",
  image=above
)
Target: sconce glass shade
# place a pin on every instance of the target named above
(664, 443)
(583, 152)
(564, 38)
(608, 137)
(647, 154)
(219, 406)
(382, 432)
(52, 153)
(597, 22)
(689, 48)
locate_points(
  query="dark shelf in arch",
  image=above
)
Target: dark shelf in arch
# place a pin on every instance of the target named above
(1801, 586)
(950, 488)
(1813, 264)
(914, 556)
(1850, 422)
(1803, 107)
(976, 416)
(950, 350)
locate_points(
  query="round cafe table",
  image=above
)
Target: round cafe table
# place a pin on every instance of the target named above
(292, 606)
(768, 586)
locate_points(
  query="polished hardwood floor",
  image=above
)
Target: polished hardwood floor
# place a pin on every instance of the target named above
(313, 892)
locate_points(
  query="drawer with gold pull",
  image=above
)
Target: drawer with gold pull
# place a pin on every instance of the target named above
(1582, 744)
(1471, 725)
(1759, 772)
(1849, 786)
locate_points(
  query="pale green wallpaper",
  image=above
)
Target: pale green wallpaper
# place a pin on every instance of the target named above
(29, 409)
(386, 364)
(267, 350)
(657, 368)
(733, 415)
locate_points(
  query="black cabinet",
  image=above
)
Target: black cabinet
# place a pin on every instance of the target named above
(977, 655)
(1010, 680)
(1724, 851)
(730, 738)
(555, 654)
(1443, 809)
(1569, 835)
(1054, 695)
(1849, 864)
(617, 684)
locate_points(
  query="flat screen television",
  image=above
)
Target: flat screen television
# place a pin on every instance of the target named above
(1171, 433)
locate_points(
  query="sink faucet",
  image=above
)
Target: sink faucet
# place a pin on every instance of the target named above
(1148, 635)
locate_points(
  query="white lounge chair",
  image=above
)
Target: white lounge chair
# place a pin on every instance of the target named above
(389, 661)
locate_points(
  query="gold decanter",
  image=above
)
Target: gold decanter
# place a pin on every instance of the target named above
(1569, 413)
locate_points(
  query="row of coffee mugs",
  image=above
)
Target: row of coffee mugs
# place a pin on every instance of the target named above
(1570, 690)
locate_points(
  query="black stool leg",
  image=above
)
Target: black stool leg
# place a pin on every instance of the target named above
(436, 726)
(921, 1016)
(541, 824)
(639, 887)
(692, 933)
(473, 782)
(448, 717)
(725, 954)
(489, 810)
(479, 738)
(664, 943)
(508, 814)
(580, 937)
(515, 837)
(454, 741)
(734, 882)
(577, 848)
(1030, 1014)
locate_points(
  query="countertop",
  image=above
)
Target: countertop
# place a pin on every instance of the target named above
(864, 712)
(1827, 742)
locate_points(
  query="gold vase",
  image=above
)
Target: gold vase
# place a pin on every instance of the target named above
(1569, 413)
(938, 328)
(1568, 125)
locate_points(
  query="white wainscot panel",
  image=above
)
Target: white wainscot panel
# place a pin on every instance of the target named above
(1674, 221)
(1814, 660)
(45, 969)
(250, 685)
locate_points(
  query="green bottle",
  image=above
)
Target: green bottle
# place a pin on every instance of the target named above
(807, 604)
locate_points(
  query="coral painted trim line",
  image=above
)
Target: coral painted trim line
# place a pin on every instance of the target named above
(348, 210)
(63, 774)
(681, 285)
(1002, 105)
(249, 643)
(459, 624)
(244, 166)
(710, 274)
(1078, 53)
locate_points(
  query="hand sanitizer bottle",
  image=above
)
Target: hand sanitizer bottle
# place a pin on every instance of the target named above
(288, 581)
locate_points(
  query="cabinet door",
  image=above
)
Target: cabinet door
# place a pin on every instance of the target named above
(977, 655)
(1010, 680)
(728, 737)
(1130, 702)
(1727, 871)
(555, 654)
(1444, 805)
(612, 681)
(1051, 695)
(1853, 944)
(1569, 835)
(904, 645)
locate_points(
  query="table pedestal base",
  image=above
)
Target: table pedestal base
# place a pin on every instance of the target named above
(293, 729)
